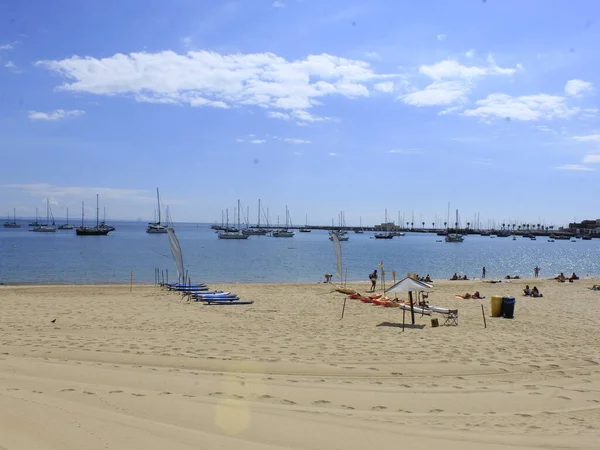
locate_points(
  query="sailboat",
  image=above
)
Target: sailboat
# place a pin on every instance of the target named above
(234, 234)
(359, 230)
(13, 224)
(305, 229)
(285, 232)
(66, 226)
(91, 231)
(156, 227)
(103, 225)
(45, 228)
(455, 237)
(258, 231)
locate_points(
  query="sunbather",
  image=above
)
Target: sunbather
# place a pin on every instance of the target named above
(573, 277)
(535, 292)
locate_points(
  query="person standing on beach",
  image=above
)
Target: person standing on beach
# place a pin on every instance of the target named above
(373, 278)
(483, 272)
(536, 271)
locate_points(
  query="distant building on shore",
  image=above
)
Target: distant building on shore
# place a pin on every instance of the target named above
(585, 227)
(386, 226)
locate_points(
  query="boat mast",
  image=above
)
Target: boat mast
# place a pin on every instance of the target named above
(238, 214)
(82, 214)
(97, 210)
(258, 223)
(158, 200)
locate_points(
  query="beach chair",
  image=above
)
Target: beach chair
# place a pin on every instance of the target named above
(451, 317)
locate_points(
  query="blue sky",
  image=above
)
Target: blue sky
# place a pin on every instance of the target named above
(324, 106)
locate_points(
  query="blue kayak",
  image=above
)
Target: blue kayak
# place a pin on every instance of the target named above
(235, 302)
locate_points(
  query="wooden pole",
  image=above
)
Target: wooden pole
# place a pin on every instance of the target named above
(483, 314)
(403, 318)
(412, 307)
(130, 281)
(344, 308)
(167, 276)
(163, 277)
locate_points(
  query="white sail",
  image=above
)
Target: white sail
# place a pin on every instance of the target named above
(176, 252)
(338, 253)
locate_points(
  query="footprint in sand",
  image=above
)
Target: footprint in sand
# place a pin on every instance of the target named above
(288, 402)
(13, 389)
(379, 408)
(563, 397)
(347, 407)
(67, 390)
(265, 397)
(215, 394)
(321, 402)
(115, 392)
(374, 368)
(138, 395)
(165, 393)
(89, 393)
(436, 410)
(188, 395)
(523, 415)
(37, 392)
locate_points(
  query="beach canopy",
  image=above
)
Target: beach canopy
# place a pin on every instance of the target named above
(409, 285)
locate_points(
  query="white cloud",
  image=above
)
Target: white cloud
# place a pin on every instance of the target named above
(452, 83)
(202, 78)
(592, 159)
(240, 140)
(372, 55)
(59, 114)
(278, 4)
(526, 107)
(386, 86)
(186, 41)
(588, 138)
(296, 141)
(576, 167)
(333, 154)
(405, 151)
(297, 154)
(576, 88)
(438, 93)
(257, 141)
(5, 47)
(451, 69)
(12, 67)
(279, 115)
(470, 53)
(441, 37)
(49, 190)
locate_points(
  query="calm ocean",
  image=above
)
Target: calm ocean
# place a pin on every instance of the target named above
(62, 257)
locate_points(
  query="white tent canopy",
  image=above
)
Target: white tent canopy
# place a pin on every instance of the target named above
(409, 285)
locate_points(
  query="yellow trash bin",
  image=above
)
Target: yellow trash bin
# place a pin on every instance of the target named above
(496, 304)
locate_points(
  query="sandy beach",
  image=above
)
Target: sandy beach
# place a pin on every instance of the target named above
(146, 369)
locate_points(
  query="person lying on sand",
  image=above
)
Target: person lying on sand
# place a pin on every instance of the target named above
(474, 295)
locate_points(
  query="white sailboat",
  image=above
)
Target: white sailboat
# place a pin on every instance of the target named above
(46, 228)
(13, 224)
(258, 231)
(455, 237)
(234, 234)
(285, 232)
(66, 226)
(157, 227)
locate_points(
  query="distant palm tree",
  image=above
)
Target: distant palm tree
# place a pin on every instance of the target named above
(407, 224)
(468, 225)
(423, 224)
(412, 225)
(445, 224)
(519, 228)
(503, 226)
(514, 225)
(433, 225)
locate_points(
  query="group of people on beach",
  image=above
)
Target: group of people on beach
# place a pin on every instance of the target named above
(531, 292)
(458, 277)
(562, 279)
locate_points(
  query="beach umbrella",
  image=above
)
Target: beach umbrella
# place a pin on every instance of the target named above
(409, 285)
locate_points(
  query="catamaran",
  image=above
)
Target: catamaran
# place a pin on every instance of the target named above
(45, 228)
(91, 231)
(156, 227)
(234, 234)
(13, 224)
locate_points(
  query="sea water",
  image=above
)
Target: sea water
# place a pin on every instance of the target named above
(63, 257)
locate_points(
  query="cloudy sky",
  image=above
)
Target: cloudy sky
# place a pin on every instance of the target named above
(324, 106)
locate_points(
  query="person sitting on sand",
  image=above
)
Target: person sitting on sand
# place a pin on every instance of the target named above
(464, 277)
(476, 295)
(454, 277)
(535, 292)
(561, 278)
(428, 279)
(527, 291)
(574, 277)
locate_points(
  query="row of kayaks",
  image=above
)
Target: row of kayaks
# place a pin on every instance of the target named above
(388, 302)
(201, 293)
